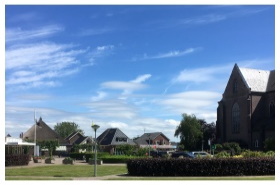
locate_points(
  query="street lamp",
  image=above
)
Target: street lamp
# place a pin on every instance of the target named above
(95, 127)
(149, 143)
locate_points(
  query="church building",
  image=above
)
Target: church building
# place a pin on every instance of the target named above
(246, 112)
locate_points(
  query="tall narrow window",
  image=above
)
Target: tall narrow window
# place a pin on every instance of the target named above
(271, 110)
(235, 113)
(235, 86)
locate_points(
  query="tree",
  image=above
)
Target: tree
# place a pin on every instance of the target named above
(190, 132)
(50, 145)
(209, 132)
(64, 129)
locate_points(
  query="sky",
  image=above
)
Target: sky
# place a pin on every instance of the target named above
(133, 67)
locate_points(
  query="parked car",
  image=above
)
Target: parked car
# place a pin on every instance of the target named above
(160, 153)
(181, 154)
(196, 154)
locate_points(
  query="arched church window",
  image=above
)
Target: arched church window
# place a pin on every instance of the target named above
(235, 118)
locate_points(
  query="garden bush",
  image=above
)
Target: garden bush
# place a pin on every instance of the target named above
(117, 158)
(202, 167)
(16, 160)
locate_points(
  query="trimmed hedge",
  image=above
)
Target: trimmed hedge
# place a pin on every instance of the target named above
(16, 160)
(201, 167)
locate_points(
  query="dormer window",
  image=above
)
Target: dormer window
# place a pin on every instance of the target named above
(121, 139)
(235, 86)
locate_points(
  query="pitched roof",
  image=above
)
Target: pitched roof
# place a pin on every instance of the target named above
(43, 132)
(80, 139)
(143, 140)
(258, 80)
(108, 137)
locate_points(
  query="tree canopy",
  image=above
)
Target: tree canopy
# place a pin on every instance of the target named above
(64, 129)
(190, 132)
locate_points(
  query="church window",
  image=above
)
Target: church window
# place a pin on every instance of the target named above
(257, 143)
(271, 110)
(235, 118)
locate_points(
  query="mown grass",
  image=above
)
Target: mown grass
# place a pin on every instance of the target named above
(66, 171)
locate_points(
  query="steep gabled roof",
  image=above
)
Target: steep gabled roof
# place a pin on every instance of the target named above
(143, 140)
(80, 139)
(43, 132)
(108, 137)
(258, 80)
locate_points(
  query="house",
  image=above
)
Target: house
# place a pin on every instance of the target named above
(16, 145)
(155, 140)
(246, 112)
(77, 138)
(40, 132)
(111, 138)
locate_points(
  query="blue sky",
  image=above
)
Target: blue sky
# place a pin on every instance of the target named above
(132, 67)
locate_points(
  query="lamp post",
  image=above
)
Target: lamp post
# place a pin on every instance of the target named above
(95, 127)
(149, 144)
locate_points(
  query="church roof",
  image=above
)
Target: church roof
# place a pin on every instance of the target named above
(258, 80)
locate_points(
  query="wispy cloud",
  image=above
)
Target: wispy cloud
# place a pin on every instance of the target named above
(169, 54)
(94, 31)
(127, 86)
(205, 19)
(18, 34)
(199, 75)
(41, 65)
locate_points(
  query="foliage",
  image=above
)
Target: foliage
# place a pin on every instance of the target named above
(67, 160)
(50, 145)
(269, 144)
(189, 132)
(16, 159)
(201, 167)
(126, 149)
(87, 147)
(208, 130)
(117, 158)
(219, 147)
(142, 151)
(233, 147)
(64, 129)
(222, 154)
(249, 153)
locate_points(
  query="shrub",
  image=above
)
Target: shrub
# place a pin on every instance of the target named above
(117, 158)
(222, 154)
(249, 153)
(201, 167)
(68, 160)
(233, 147)
(269, 144)
(16, 159)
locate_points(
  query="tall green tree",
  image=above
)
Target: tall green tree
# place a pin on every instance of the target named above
(50, 145)
(64, 129)
(209, 132)
(190, 132)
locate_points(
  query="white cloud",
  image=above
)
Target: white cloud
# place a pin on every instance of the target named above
(100, 95)
(174, 53)
(199, 75)
(205, 19)
(17, 34)
(127, 86)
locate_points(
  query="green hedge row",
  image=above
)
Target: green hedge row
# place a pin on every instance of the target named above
(16, 160)
(201, 167)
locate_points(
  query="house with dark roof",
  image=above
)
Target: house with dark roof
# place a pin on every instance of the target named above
(111, 138)
(155, 140)
(42, 132)
(77, 138)
(246, 112)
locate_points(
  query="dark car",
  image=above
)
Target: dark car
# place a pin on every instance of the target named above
(181, 154)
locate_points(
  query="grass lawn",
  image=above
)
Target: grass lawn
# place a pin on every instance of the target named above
(65, 171)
